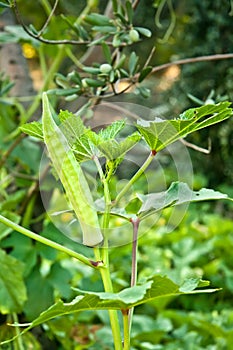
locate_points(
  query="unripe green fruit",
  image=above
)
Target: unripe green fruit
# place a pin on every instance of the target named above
(105, 68)
(133, 34)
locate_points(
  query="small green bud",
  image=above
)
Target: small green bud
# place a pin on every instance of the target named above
(134, 35)
(84, 83)
(105, 68)
(116, 41)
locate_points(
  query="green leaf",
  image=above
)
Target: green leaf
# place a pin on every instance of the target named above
(40, 289)
(12, 200)
(112, 149)
(91, 70)
(160, 133)
(178, 193)
(132, 64)
(23, 249)
(12, 288)
(121, 61)
(33, 129)
(96, 19)
(129, 10)
(84, 149)
(83, 33)
(77, 135)
(121, 15)
(105, 29)
(144, 73)
(111, 131)
(143, 91)
(63, 92)
(190, 284)
(4, 5)
(19, 34)
(144, 31)
(94, 82)
(5, 89)
(75, 78)
(153, 289)
(107, 53)
(115, 5)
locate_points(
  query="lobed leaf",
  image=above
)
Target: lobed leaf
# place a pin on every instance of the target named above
(112, 149)
(111, 131)
(159, 133)
(154, 288)
(76, 134)
(33, 129)
(178, 193)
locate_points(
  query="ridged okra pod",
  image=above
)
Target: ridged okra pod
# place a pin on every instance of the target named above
(72, 177)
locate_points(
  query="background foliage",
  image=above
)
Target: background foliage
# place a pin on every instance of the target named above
(200, 246)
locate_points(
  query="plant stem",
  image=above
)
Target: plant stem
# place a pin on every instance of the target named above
(113, 316)
(47, 242)
(49, 77)
(105, 270)
(135, 177)
(126, 330)
(19, 341)
(135, 223)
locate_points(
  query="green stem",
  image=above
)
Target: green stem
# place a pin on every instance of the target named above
(113, 316)
(136, 176)
(43, 64)
(135, 223)
(47, 7)
(126, 331)
(48, 242)
(19, 340)
(49, 77)
(73, 58)
(105, 270)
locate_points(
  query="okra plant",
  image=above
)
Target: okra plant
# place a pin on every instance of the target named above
(69, 145)
(72, 148)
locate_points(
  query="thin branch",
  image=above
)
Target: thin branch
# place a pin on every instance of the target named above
(33, 189)
(48, 41)
(50, 243)
(135, 223)
(197, 148)
(171, 25)
(215, 57)
(149, 57)
(48, 19)
(6, 155)
(135, 4)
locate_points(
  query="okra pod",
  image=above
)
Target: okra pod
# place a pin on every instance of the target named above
(72, 177)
